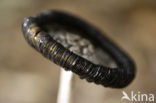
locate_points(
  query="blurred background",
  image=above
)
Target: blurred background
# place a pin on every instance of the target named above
(27, 77)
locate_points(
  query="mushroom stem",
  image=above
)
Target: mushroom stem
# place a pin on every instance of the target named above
(65, 87)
